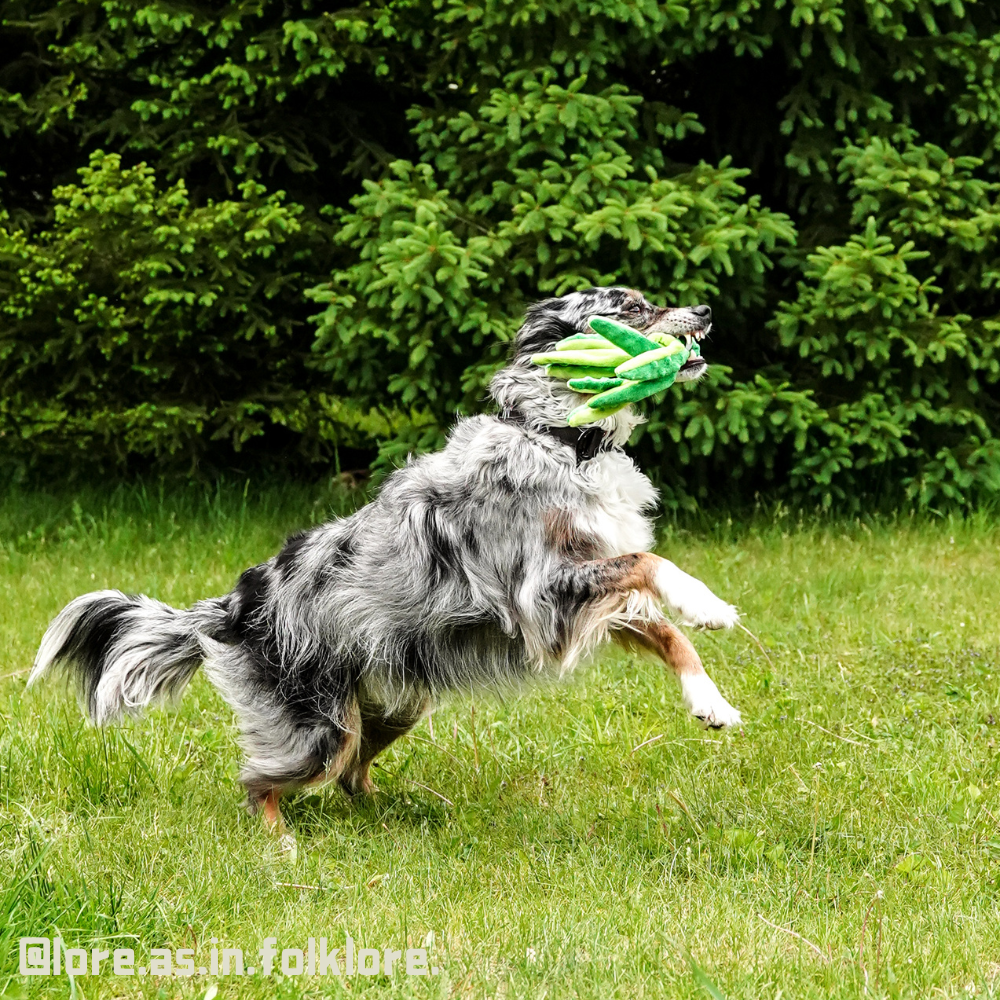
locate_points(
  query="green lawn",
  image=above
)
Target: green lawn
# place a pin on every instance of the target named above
(581, 840)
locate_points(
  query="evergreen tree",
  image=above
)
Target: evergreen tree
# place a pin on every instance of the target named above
(297, 227)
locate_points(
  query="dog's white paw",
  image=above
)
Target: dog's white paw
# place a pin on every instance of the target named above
(705, 701)
(691, 600)
(711, 613)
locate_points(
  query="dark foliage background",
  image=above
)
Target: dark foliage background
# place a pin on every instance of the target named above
(292, 232)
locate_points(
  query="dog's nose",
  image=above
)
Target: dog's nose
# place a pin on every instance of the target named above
(705, 312)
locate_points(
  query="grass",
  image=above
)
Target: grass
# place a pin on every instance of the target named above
(582, 840)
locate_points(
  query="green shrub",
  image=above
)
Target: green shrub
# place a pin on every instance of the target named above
(142, 324)
(326, 223)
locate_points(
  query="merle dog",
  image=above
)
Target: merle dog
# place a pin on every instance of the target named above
(514, 551)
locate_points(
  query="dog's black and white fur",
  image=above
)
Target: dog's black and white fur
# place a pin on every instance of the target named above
(511, 552)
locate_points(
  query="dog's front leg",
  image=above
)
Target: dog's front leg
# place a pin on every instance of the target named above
(602, 590)
(698, 690)
(686, 597)
(689, 599)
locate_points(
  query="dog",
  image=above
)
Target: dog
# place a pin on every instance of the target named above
(514, 551)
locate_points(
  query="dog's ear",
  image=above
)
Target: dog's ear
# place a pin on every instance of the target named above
(551, 320)
(542, 328)
(551, 307)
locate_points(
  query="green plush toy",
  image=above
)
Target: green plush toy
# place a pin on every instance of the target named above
(616, 364)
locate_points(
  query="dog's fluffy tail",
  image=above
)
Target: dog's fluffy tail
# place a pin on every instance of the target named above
(126, 651)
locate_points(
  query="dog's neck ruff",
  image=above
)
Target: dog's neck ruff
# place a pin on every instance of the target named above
(587, 441)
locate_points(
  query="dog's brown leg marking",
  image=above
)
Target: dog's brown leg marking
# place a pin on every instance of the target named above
(564, 537)
(347, 755)
(669, 643)
(598, 578)
(590, 594)
(377, 732)
(271, 812)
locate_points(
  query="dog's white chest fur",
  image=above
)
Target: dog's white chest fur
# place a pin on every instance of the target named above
(619, 496)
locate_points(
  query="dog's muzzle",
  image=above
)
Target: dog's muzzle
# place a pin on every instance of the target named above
(689, 324)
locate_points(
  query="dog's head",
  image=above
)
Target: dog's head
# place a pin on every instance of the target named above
(551, 320)
(543, 400)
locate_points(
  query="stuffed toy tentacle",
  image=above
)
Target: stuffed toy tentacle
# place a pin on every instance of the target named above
(585, 342)
(629, 340)
(629, 392)
(587, 415)
(591, 358)
(573, 372)
(594, 384)
(654, 364)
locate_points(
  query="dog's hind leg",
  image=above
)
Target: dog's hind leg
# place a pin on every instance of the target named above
(377, 732)
(289, 737)
(283, 758)
(672, 646)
